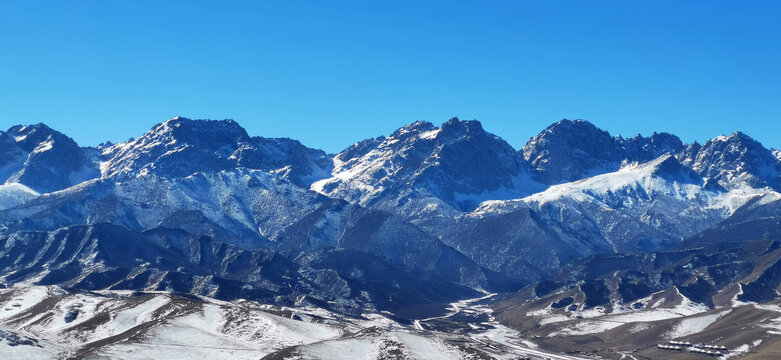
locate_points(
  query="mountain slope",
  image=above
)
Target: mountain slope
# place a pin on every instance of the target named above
(109, 257)
(242, 206)
(648, 206)
(47, 322)
(43, 159)
(347, 226)
(15, 194)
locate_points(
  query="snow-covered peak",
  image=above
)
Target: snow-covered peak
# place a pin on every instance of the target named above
(42, 158)
(457, 163)
(415, 128)
(575, 149)
(188, 130)
(178, 133)
(737, 160)
(663, 174)
(180, 147)
(29, 137)
(737, 136)
(640, 206)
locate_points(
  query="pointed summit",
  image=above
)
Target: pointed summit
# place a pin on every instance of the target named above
(736, 160)
(454, 125)
(180, 147)
(30, 136)
(457, 163)
(413, 129)
(570, 150)
(43, 159)
(201, 132)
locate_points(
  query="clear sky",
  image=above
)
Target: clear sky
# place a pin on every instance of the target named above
(330, 73)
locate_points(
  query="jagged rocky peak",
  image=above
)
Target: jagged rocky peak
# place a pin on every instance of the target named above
(470, 155)
(42, 158)
(450, 162)
(179, 133)
(452, 129)
(737, 141)
(665, 142)
(737, 160)
(456, 127)
(181, 147)
(209, 133)
(37, 138)
(419, 136)
(413, 129)
(571, 150)
(669, 168)
(647, 148)
(580, 133)
(177, 147)
(28, 137)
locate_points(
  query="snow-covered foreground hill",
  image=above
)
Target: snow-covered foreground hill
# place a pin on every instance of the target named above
(38, 322)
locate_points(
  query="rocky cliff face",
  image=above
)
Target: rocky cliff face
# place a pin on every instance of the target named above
(43, 159)
(571, 150)
(457, 165)
(181, 147)
(736, 160)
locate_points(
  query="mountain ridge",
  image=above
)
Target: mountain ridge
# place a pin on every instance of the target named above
(212, 178)
(421, 228)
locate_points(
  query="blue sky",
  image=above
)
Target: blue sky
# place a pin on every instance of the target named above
(330, 73)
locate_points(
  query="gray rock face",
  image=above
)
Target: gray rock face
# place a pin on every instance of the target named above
(46, 160)
(571, 150)
(43, 159)
(736, 160)
(456, 166)
(181, 147)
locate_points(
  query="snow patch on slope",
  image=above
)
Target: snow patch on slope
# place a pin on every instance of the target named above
(649, 199)
(599, 322)
(633, 176)
(694, 325)
(15, 194)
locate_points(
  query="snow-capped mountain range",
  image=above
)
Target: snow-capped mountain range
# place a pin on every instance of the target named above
(402, 224)
(580, 190)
